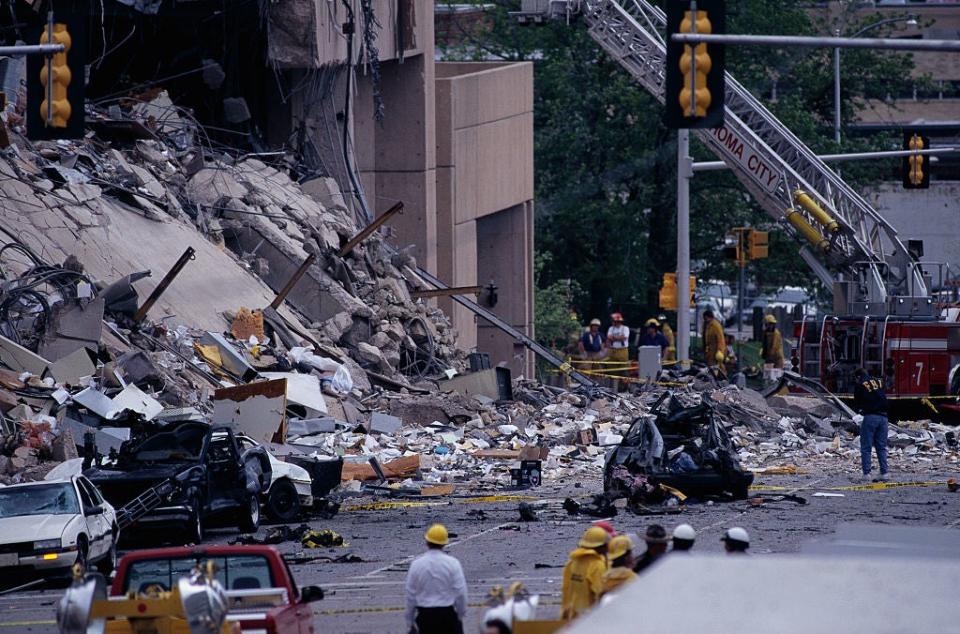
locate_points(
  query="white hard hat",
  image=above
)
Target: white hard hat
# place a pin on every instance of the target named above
(684, 531)
(736, 534)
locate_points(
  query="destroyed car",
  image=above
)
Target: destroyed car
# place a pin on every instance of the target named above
(215, 480)
(685, 448)
(67, 521)
(290, 489)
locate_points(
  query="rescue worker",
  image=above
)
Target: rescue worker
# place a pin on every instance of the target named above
(683, 538)
(714, 341)
(656, 538)
(620, 553)
(870, 401)
(618, 339)
(436, 588)
(653, 337)
(736, 541)
(667, 331)
(593, 344)
(772, 351)
(583, 574)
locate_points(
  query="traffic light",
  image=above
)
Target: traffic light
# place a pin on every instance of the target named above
(63, 75)
(733, 247)
(758, 244)
(668, 292)
(915, 168)
(695, 81)
(56, 113)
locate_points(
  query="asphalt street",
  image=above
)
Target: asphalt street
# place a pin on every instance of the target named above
(366, 593)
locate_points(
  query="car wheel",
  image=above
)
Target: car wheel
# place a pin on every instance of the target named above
(194, 529)
(283, 503)
(109, 561)
(250, 515)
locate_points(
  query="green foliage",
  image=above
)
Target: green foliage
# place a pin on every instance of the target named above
(557, 325)
(606, 166)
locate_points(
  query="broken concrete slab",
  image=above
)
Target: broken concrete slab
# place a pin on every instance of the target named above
(15, 356)
(493, 383)
(69, 370)
(73, 326)
(384, 423)
(257, 409)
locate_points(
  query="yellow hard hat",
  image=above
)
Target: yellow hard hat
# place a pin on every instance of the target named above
(652, 322)
(594, 537)
(719, 357)
(437, 534)
(770, 319)
(619, 546)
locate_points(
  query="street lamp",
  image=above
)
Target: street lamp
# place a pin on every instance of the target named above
(909, 21)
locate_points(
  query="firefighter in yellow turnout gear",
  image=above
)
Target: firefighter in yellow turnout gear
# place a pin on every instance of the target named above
(772, 343)
(714, 340)
(583, 574)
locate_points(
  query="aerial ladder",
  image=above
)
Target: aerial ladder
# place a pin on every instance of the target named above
(851, 248)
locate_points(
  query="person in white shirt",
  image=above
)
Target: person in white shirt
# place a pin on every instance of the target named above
(618, 345)
(436, 588)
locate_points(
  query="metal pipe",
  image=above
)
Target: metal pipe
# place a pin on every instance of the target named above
(370, 228)
(836, 91)
(819, 42)
(684, 173)
(141, 313)
(31, 49)
(282, 295)
(807, 230)
(712, 166)
(803, 199)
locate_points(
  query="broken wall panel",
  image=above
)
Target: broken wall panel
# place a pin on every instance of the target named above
(257, 409)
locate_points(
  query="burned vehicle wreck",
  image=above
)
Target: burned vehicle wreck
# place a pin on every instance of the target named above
(182, 477)
(685, 448)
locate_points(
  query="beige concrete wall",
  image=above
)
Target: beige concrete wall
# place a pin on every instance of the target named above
(484, 137)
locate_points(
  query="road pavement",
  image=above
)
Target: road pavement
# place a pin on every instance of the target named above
(497, 549)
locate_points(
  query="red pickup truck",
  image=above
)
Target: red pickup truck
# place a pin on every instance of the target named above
(263, 597)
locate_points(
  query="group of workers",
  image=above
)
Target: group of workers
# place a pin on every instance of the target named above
(604, 560)
(595, 345)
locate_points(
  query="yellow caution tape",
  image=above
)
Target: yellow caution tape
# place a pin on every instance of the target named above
(413, 504)
(874, 486)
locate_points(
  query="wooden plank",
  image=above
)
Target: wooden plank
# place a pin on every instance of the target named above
(402, 467)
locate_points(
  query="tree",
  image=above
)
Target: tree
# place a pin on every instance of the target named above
(606, 166)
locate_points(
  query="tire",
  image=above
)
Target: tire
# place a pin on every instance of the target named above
(249, 520)
(193, 533)
(283, 502)
(109, 561)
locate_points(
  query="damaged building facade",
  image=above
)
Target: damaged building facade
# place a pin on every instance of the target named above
(452, 141)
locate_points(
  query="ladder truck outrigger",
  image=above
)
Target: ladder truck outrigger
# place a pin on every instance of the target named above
(884, 317)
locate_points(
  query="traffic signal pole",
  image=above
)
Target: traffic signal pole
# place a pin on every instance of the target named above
(684, 173)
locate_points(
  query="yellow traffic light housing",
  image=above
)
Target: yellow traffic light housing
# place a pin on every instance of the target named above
(668, 292)
(916, 167)
(758, 244)
(695, 79)
(56, 111)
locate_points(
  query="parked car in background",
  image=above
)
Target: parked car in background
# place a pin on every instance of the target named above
(46, 527)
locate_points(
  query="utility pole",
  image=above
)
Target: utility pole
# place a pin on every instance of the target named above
(684, 173)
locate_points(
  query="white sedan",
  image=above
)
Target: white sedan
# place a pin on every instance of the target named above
(50, 525)
(291, 488)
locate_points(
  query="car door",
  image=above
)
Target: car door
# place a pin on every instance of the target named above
(94, 522)
(109, 516)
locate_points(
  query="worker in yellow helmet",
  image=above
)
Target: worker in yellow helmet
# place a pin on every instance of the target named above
(583, 574)
(620, 553)
(714, 340)
(436, 588)
(671, 354)
(772, 351)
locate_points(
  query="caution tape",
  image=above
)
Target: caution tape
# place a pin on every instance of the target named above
(413, 504)
(874, 486)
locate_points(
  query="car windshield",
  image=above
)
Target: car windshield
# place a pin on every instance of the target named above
(183, 443)
(246, 572)
(39, 499)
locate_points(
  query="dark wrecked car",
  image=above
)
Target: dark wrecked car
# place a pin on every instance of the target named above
(685, 448)
(215, 481)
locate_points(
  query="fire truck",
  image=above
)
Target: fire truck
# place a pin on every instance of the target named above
(885, 318)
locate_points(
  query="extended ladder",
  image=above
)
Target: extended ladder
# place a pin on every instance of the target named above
(770, 161)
